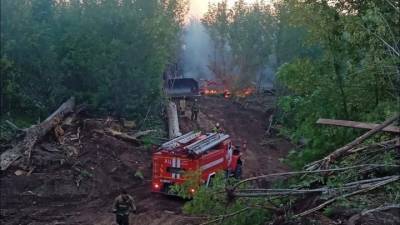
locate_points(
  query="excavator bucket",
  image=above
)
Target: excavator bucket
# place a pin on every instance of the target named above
(182, 87)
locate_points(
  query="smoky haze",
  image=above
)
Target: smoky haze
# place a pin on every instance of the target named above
(196, 50)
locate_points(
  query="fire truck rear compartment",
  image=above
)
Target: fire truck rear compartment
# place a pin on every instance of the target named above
(209, 154)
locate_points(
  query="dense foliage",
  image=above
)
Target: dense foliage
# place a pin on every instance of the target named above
(110, 54)
(354, 77)
(211, 201)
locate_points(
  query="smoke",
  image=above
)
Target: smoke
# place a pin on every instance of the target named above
(196, 50)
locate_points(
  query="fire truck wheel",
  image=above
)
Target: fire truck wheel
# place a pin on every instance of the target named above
(238, 171)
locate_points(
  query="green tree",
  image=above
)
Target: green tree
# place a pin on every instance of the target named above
(354, 78)
(110, 54)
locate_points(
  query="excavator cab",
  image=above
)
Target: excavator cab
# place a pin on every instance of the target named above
(182, 88)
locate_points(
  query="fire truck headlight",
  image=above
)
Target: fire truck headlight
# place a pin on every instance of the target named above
(156, 186)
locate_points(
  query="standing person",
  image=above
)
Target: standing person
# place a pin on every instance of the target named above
(217, 128)
(195, 110)
(123, 205)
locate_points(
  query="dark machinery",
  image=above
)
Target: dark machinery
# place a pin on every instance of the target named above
(182, 88)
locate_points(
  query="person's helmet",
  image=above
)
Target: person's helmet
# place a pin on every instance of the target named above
(217, 124)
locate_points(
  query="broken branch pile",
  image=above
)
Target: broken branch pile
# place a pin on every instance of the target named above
(69, 142)
(34, 134)
(356, 172)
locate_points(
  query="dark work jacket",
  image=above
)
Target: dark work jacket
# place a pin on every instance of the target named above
(124, 204)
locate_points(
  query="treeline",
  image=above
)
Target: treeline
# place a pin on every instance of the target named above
(109, 54)
(334, 59)
(243, 41)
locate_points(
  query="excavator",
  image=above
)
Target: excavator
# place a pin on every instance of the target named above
(181, 88)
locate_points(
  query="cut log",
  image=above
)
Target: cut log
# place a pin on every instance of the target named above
(35, 133)
(360, 125)
(124, 136)
(173, 123)
(119, 135)
(143, 133)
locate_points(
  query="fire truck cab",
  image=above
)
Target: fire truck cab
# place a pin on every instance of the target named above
(208, 153)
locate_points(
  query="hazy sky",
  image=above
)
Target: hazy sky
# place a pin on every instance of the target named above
(199, 7)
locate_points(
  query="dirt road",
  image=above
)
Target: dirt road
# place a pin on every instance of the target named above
(247, 125)
(51, 195)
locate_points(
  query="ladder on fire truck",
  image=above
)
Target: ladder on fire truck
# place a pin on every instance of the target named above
(207, 143)
(183, 139)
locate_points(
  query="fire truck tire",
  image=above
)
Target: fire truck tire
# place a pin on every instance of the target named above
(238, 171)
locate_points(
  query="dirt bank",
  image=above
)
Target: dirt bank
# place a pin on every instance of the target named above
(76, 184)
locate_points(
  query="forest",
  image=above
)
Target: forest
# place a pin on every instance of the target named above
(336, 59)
(108, 54)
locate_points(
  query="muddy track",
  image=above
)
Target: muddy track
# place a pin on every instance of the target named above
(51, 196)
(248, 125)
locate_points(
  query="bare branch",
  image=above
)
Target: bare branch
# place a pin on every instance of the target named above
(391, 4)
(221, 217)
(13, 126)
(354, 218)
(341, 151)
(382, 183)
(362, 184)
(308, 172)
(382, 40)
(385, 144)
(381, 208)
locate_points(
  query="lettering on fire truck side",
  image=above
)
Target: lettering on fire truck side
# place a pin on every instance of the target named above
(176, 163)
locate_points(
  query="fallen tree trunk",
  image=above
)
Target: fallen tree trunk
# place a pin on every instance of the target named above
(325, 190)
(122, 136)
(360, 125)
(125, 137)
(356, 217)
(380, 184)
(341, 151)
(34, 134)
(143, 133)
(231, 189)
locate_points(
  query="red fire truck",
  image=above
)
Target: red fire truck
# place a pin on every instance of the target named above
(208, 153)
